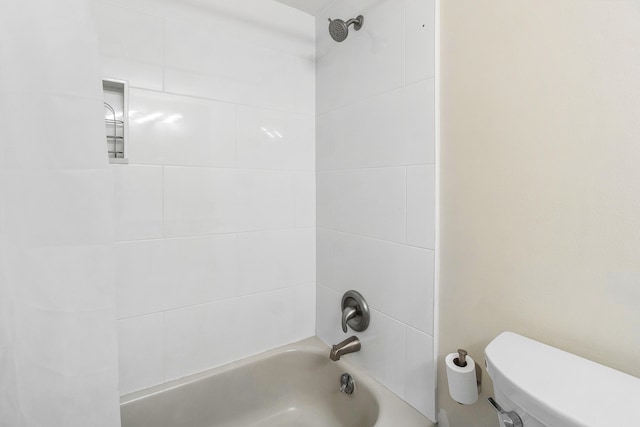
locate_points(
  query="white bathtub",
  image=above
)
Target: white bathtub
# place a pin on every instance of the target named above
(295, 385)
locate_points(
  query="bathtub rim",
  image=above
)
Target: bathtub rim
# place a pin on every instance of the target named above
(392, 409)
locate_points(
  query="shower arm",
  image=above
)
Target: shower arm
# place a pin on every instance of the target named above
(356, 22)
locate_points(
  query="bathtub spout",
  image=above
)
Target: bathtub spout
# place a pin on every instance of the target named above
(350, 345)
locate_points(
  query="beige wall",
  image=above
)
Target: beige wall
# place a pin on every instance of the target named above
(540, 180)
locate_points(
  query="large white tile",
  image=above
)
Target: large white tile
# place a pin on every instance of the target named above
(369, 62)
(236, 71)
(367, 202)
(78, 206)
(275, 26)
(276, 259)
(304, 189)
(420, 373)
(323, 239)
(383, 351)
(58, 276)
(328, 315)
(131, 44)
(421, 206)
(395, 128)
(420, 45)
(205, 336)
(395, 279)
(164, 274)
(137, 202)
(217, 16)
(269, 139)
(304, 311)
(141, 352)
(179, 130)
(210, 201)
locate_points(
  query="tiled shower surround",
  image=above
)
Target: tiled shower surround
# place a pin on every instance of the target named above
(375, 158)
(215, 212)
(230, 116)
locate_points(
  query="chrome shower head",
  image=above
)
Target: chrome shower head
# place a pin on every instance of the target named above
(339, 30)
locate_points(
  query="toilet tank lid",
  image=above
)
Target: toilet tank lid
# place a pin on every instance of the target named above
(560, 388)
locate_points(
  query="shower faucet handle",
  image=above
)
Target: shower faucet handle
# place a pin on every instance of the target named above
(355, 311)
(347, 314)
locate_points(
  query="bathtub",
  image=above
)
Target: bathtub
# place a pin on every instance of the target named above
(295, 385)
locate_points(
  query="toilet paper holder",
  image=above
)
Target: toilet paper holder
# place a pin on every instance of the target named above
(461, 361)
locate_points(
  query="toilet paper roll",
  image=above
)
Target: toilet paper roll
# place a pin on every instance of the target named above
(463, 387)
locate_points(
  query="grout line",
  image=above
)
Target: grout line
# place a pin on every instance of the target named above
(392, 242)
(223, 101)
(164, 215)
(164, 59)
(235, 297)
(406, 205)
(367, 99)
(235, 141)
(229, 233)
(164, 348)
(373, 167)
(226, 168)
(404, 56)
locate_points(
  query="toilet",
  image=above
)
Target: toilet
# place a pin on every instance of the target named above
(548, 387)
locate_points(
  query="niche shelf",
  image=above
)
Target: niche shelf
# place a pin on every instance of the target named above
(116, 115)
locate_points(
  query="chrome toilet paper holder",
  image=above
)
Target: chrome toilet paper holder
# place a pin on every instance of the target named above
(461, 361)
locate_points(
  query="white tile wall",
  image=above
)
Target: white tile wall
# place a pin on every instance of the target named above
(396, 279)
(421, 199)
(379, 48)
(270, 139)
(209, 201)
(164, 274)
(375, 151)
(235, 70)
(180, 130)
(137, 202)
(215, 212)
(131, 44)
(395, 128)
(420, 26)
(276, 259)
(141, 352)
(368, 202)
(208, 335)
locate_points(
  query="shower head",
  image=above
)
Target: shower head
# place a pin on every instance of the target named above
(339, 30)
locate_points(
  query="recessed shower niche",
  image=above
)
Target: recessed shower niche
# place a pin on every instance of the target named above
(116, 118)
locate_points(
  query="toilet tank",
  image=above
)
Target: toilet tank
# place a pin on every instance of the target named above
(552, 388)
